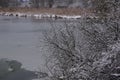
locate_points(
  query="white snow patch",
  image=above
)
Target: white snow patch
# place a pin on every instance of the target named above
(73, 69)
(115, 74)
(41, 16)
(10, 69)
(61, 77)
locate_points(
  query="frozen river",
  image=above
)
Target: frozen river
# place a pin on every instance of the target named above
(20, 40)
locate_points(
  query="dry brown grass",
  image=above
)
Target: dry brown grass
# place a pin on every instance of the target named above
(58, 11)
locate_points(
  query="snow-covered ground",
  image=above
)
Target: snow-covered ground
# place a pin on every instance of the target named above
(40, 16)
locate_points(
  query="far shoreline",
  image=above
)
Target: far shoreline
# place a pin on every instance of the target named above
(58, 11)
(41, 13)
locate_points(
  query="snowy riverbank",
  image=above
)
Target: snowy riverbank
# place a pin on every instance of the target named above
(40, 16)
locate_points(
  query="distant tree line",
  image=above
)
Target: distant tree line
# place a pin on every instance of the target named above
(47, 3)
(42, 3)
(9, 3)
(4, 3)
(55, 3)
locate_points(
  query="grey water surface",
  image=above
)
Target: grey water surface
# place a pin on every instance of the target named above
(20, 40)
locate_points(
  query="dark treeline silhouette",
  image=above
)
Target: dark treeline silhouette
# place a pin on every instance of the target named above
(4, 3)
(46, 3)
(10, 3)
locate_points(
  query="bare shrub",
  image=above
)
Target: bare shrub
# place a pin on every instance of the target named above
(88, 50)
(80, 51)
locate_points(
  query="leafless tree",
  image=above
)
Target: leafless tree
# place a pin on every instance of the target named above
(79, 51)
(88, 50)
